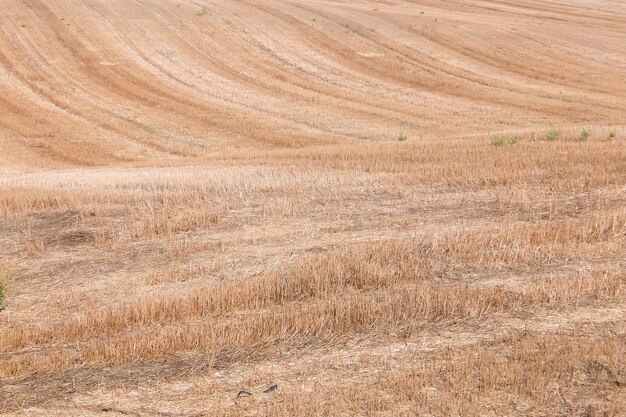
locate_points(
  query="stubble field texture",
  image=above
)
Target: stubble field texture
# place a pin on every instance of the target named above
(385, 208)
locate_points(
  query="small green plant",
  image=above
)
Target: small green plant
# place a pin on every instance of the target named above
(584, 135)
(498, 141)
(501, 140)
(201, 12)
(553, 134)
(2, 294)
(612, 134)
(4, 279)
(402, 137)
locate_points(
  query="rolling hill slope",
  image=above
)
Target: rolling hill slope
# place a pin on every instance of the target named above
(101, 82)
(375, 208)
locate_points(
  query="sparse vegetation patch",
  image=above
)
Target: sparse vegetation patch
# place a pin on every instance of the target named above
(502, 140)
(584, 135)
(553, 134)
(4, 281)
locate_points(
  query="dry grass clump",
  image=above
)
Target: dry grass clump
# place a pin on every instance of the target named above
(524, 373)
(465, 164)
(15, 200)
(257, 330)
(171, 222)
(184, 272)
(362, 268)
(232, 284)
(225, 268)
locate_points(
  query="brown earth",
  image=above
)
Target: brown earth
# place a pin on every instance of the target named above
(384, 207)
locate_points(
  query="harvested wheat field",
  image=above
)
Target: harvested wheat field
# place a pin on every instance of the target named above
(312, 208)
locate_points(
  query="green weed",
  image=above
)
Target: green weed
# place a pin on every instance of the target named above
(553, 134)
(584, 135)
(501, 140)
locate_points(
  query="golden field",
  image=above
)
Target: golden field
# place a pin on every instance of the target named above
(393, 208)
